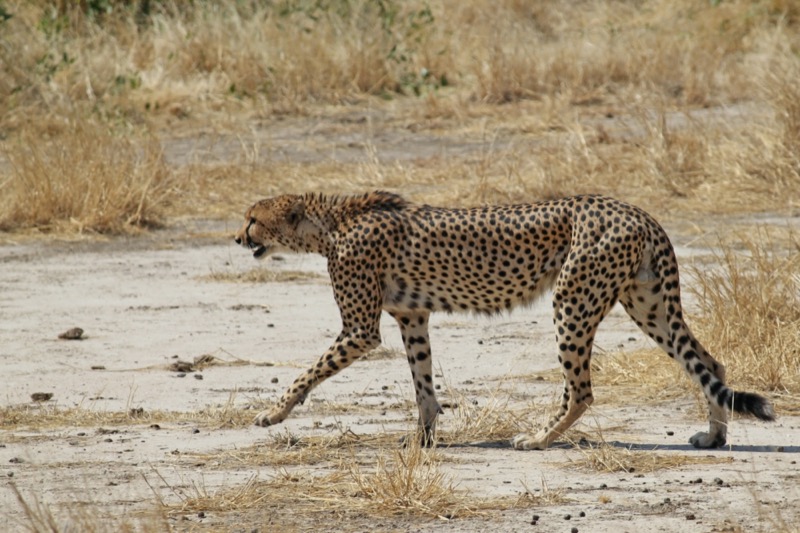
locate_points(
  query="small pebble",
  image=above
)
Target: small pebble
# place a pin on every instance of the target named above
(670, 433)
(198, 376)
(273, 380)
(195, 431)
(690, 516)
(72, 334)
(41, 396)
(201, 514)
(567, 517)
(180, 375)
(581, 514)
(718, 481)
(574, 530)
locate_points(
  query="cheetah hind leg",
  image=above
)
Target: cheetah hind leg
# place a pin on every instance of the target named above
(571, 410)
(575, 351)
(577, 395)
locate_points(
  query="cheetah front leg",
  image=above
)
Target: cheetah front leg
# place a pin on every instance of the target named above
(348, 347)
(414, 329)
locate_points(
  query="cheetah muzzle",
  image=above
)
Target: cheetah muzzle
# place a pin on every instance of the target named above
(387, 254)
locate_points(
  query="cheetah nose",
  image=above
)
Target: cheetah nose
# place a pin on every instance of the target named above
(237, 240)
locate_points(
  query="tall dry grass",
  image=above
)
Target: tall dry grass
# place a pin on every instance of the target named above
(86, 179)
(458, 67)
(289, 53)
(750, 313)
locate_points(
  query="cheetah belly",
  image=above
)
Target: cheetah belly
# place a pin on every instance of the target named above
(483, 292)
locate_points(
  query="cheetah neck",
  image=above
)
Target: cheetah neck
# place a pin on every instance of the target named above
(322, 218)
(325, 217)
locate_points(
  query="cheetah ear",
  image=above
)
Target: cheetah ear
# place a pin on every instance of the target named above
(296, 213)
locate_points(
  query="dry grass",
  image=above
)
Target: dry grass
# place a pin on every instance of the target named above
(262, 275)
(598, 455)
(181, 60)
(641, 375)
(410, 481)
(43, 417)
(490, 420)
(604, 457)
(750, 314)
(286, 449)
(42, 518)
(85, 179)
(405, 482)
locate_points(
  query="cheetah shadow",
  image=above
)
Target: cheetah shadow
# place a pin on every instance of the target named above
(634, 446)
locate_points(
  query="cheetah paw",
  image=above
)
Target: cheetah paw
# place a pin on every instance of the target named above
(266, 418)
(707, 440)
(523, 441)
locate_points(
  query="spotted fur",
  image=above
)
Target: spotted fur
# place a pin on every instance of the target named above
(387, 254)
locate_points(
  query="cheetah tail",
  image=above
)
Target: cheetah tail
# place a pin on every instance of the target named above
(748, 403)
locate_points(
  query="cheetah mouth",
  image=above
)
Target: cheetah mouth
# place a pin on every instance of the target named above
(259, 250)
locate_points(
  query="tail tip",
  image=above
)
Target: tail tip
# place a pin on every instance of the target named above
(753, 404)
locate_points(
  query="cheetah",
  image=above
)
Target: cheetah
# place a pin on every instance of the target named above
(388, 254)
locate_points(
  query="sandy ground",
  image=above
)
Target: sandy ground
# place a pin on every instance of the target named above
(143, 301)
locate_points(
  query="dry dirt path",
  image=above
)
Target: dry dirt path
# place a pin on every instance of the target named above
(143, 301)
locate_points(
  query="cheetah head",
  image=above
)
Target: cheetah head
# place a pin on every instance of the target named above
(271, 225)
